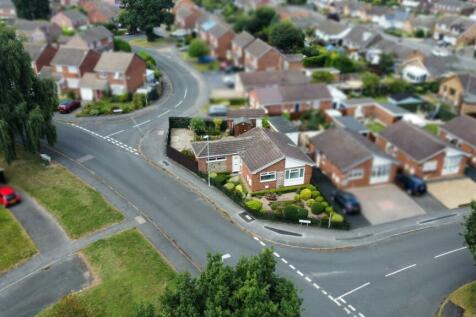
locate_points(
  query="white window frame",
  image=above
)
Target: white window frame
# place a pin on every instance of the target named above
(214, 159)
(355, 174)
(59, 68)
(299, 171)
(381, 170)
(430, 166)
(267, 174)
(72, 69)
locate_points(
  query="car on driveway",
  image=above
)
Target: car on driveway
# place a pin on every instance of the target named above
(67, 106)
(347, 202)
(412, 184)
(8, 196)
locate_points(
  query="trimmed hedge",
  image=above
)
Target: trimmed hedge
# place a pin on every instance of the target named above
(293, 212)
(305, 194)
(254, 205)
(282, 190)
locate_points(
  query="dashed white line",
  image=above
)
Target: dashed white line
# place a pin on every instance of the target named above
(351, 307)
(226, 256)
(354, 290)
(142, 123)
(361, 315)
(400, 270)
(323, 292)
(449, 252)
(292, 267)
(347, 311)
(256, 238)
(262, 243)
(110, 135)
(276, 254)
(284, 260)
(308, 279)
(316, 286)
(299, 273)
(163, 114)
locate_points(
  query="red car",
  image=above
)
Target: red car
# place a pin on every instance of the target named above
(67, 106)
(8, 196)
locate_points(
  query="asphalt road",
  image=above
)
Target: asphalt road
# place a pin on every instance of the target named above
(400, 277)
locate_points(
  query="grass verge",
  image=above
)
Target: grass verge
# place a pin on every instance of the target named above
(201, 67)
(78, 208)
(16, 246)
(433, 128)
(465, 297)
(375, 126)
(142, 42)
(130, 271)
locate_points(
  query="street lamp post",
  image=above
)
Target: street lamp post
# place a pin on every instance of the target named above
(208, 158)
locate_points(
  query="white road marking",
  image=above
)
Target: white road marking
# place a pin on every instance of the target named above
(248, 217)
(308, 279)
(85, 158)
(342, 300)
(354, 290)
(226, 256)
(161, 132)
(284, 260)
(351, 307)
(163, 114)
(178, 105)
(449, 252)
(256, 238)
(323, 292)
(361, 315)
(400, 270)
(185, 95)
(110, 135)
(276, 254)
(140, 220)
(262, 243)
(292, 267)
(142, 123)
(299, 273)
(316, 286)
(347, 311)
(336, 302)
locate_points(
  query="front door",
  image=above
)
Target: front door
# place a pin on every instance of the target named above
(380, 174)
(451, 165)
(236, 164)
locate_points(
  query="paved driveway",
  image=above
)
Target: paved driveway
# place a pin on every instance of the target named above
(385, 203)
(454, 193)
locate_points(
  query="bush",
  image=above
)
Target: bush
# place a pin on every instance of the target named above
(319, 199)
(125, 97)
(311, 187)
(239, 188)
(121, 45)
(254, 205)
(297, 197)
(197, 48)
(315, 194)
(310, 202)
(329, 210)
(235, 179)
(138, 101)
(305, 194)
(317, 208)
(229, 186)
(212, 175)
(188, 153)
(219, 179)
(293, 212)
(337, 218)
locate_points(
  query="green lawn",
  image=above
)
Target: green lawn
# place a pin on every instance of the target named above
(203, 68)
(433, 128)
(77, 207)
(142, 42)
(16, 246)
(465, 297)
(129, 272)
(375, 126)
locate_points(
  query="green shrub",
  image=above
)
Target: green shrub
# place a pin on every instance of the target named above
(220, 179)
(319, 199)
(329, 210)
(310, 202)
(229, 186)
(139, 101)
(254, 205)
(121, 45)
(305, 194)
(325, 204)
(337, 218)
(297, 197)
(239, 188)
(212, 175)
(293, 212)
(311, 187)
(235, 179)
(317, 208)
(315, 194)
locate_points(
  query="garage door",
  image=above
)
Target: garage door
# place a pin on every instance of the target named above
(86, 94)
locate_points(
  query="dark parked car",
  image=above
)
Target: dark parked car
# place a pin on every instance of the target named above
(347, 202)
(67, 106)
(412, 184)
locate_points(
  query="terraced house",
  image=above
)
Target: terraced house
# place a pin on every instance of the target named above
(265, 159)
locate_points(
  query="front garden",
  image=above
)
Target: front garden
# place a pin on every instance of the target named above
(288, 204)
(114, 105)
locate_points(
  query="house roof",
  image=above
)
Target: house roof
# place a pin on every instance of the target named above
(359, 102)
(468, 81)
(414, 141)
(90, 80)
(281, 94)
(401, 96)
(30, 25)
(95, 34)
(462, 127)
(74, 15)
(34, 50)
(69, 56)
(243, 39)
(397, 15)
(282, 124)
(219, 29)
(361, 36)
(274, 77)
(344, 148)
(454, 3)
(330, 27)
(257, 147)
(258, 48)
(393, 109)
(379, 10)
(423, 22)
(184, 12)
(6, 4)
(246, 113)
(293, 58)
(114, 62)
(350, 123)
(440, 65)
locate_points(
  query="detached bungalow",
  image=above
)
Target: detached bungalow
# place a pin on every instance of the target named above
(420, 152)
(37, 31)
(294, 99)
(429, 68)
(351, 160)
(461, 132)
(264, 159)
(248, 81)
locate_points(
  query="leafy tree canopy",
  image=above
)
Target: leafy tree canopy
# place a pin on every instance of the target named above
(27, 103)
(252, 288)
(286, 37)
(197, 48)
(322, 77)
(146, 14)
(256, 22)
(32, 9)
(470, 232)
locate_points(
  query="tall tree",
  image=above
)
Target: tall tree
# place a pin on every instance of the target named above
(27, 103)
(386, 64)
(32, 9)
(146, 14)
(252, 288)
(286, 37)
(470, 232)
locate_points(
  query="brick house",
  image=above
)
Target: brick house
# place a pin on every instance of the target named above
(295, 99)
(37, 31)
(219, 39)
(248, 81)
(260, 56)
(7, 10)
(186, 16)
(238, 45)
(97, 38)
(452, 7)
(69, 19)
(367, 108)
(124, 72)
(41, 55)
(71, 63)
(455, 30)
(351, 160)
(421, 153)
(100, 11)
(240, 121)
(264, 159)
(461, 131)
(292, 62)
(427, 68)
(460, 91)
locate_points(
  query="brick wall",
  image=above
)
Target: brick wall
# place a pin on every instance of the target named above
(256, 184)
(45, 58)
(135, 74)
(217, 167)
(464, 147)
(271, 60)
(220, 51)
(447, 87)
